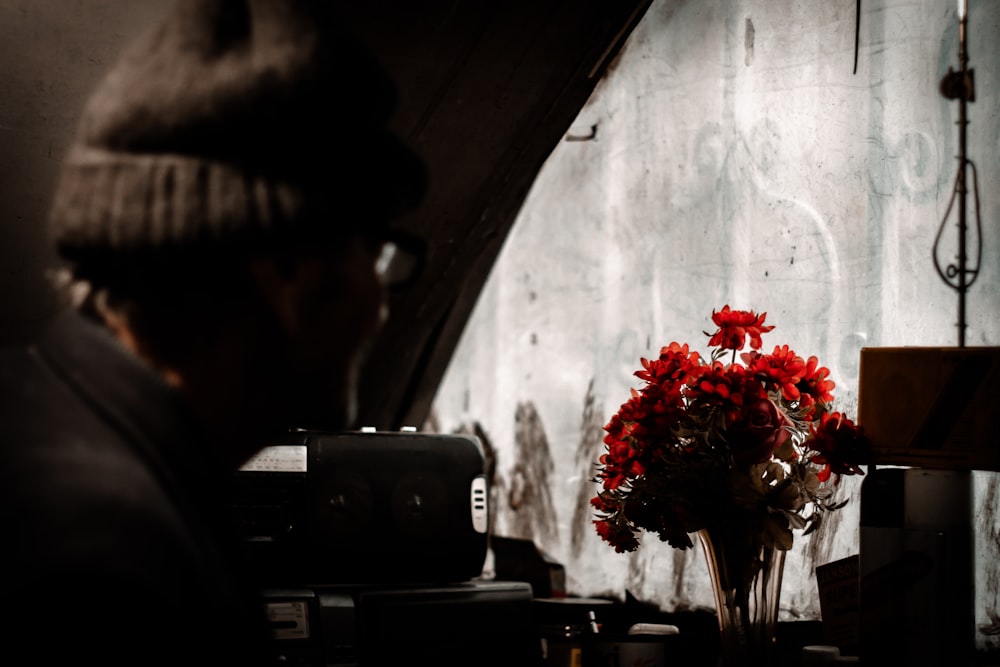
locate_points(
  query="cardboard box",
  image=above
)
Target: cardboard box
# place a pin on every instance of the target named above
(931, 407)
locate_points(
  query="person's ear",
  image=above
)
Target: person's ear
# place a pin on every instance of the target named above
(279, 288)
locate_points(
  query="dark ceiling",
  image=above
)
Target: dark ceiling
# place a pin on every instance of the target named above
(487, 90)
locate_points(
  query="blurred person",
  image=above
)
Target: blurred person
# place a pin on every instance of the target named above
(221, 215)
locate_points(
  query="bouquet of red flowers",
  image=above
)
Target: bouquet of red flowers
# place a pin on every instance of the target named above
(705, 443)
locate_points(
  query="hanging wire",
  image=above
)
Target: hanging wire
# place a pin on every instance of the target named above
(960, 85)
(857, 33)
(952, 274)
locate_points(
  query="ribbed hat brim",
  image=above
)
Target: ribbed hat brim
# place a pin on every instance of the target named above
(236, 123)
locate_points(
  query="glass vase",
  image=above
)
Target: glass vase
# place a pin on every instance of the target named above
(746, 583)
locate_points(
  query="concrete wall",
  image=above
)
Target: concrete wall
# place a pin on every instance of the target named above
(734, 156)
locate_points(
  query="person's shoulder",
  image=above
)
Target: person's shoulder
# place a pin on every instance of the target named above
(17, 364)
(61, 458)
(39, 414)
(89, 505)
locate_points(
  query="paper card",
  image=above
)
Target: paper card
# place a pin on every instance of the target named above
(838, 583)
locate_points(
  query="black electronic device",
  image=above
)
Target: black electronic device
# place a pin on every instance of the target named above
(364, 508)
(483, 623)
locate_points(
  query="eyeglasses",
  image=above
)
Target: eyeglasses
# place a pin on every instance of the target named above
(401, 259)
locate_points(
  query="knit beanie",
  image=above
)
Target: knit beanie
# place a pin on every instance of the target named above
(234, 124)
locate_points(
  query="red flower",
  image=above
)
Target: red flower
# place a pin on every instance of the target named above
(814, 386)
(758, 430)
(727, 387)
(636, 434)
(838, 445)
(735, 326)
(705, 443)
(622, 458)
(714, 385)
(674, 363)
(782, 369)
(620, 537)
(604, 503)
(615, 532)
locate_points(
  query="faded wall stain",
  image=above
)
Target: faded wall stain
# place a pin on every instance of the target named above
(588, 450)
(531, 514)
(988, 552)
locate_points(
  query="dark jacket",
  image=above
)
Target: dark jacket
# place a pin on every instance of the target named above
(116, 542)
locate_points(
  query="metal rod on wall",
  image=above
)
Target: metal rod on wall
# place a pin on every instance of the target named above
(960, 85)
